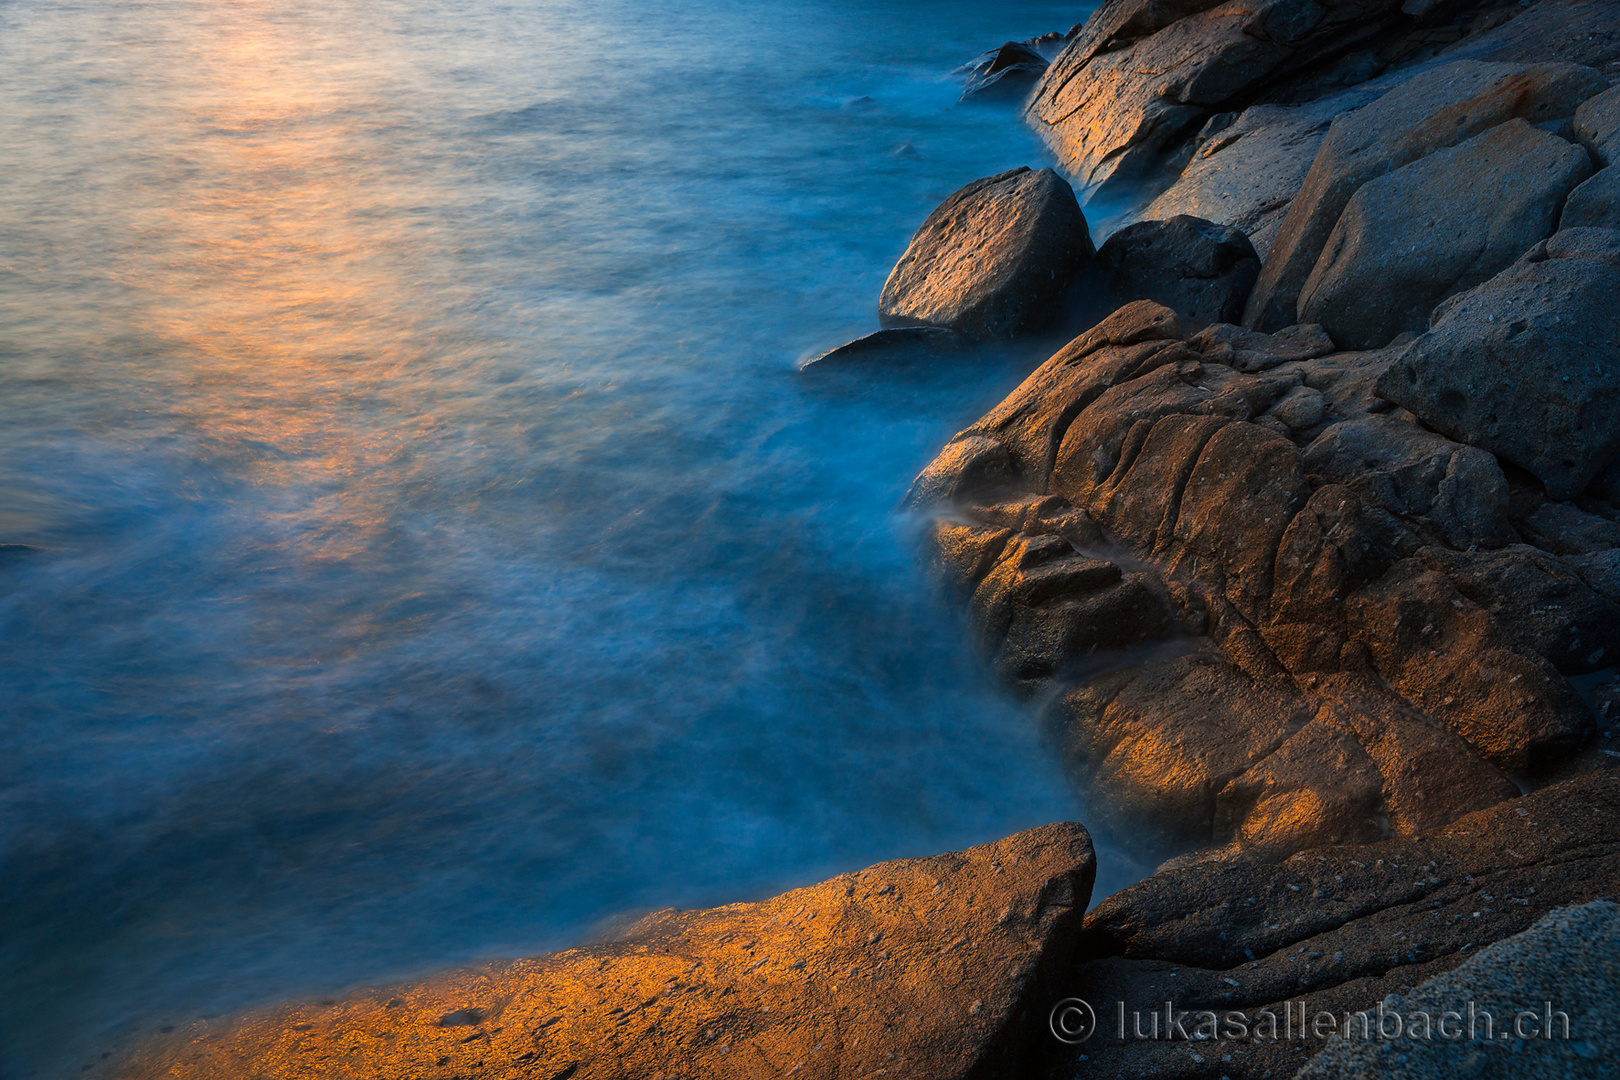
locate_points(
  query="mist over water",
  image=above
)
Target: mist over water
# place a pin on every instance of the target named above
(434, 551)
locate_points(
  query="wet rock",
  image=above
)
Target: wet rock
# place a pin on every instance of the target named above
(922, 967)
(1007, 73)
(1201, 270)
(1141, 77)
(1429, 112)
(900, 345)
(1543, 986)
(1435, 227)
(1597, 126)
(991, 259)
(1511, 367)
(1595, 204)
(1337, 929)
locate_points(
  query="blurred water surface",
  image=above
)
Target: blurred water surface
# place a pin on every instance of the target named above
(435, 551)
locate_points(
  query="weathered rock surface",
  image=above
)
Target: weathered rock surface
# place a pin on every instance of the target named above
(1337, 930)
(1269, 610)
(1142, 75)
(1525, 366)
(991, 259)
(1544, 989)
(1595, 204)
(1435, 227)
(1430, 112)
(1245, 171)
(920, 967)
(1007, 73)
(1201, 270)
(899, 345)
(1597, 126)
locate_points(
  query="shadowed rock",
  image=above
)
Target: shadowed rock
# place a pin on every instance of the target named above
(1595, 204)
(1430, 112)
(1433, 228)
(1201, 270)
(1007, 73)
(991, 259)
(1524, 366)
(901, 345)
(921, 967)
(1338, 929)
(1597, 126)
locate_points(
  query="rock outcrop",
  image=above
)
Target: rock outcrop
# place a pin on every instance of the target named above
(1525, 365)
(1338, 929)
(1201, 270)
(1442, 224)
(1145, 74)
(1597, 126)
(991, 260)
(1269, 610)
(918, 967)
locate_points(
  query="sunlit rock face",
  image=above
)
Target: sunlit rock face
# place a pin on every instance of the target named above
(1145, 74)
(934, 967)
(1267, 608)
(992, 259)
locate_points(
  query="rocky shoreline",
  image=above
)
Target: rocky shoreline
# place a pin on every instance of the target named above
(1307, 543)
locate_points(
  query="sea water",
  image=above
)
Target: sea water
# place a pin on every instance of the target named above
(426, 547)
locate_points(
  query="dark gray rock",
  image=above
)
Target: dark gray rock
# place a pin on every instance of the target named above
(1547, 990)
(1525, 366)
(1201, 270)
(1004, 74)
(1252, 351)
(991, 259)
(930, 967)
(1432, 111)
(897, 346)
(1595, 204)
(1436, 227)
(1597, 126)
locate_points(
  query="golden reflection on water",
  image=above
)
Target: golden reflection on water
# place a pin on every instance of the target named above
(278, 256)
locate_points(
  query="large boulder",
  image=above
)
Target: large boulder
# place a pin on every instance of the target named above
(1435, 227)
(1432, 111)
(921, 967)
(1339, 929)
(1545, 991)
(1597, 125)
(1201, 270)
(990, 261)
(1595, 204)
(1144, 74)
(1260, 603)
(1524, 366)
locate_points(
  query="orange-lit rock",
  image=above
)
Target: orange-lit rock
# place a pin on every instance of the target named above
(933, 967)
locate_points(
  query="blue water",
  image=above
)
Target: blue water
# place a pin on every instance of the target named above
(433, 549)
